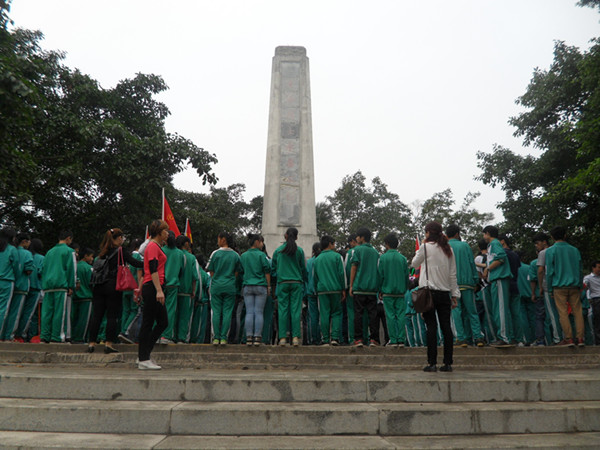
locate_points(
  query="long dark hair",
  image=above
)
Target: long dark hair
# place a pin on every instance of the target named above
(290, 242)
(436, 235)
(7, 236)
(36, 246)
(107, 241)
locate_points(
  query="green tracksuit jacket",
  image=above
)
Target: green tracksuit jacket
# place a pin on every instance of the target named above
(496, 253)
(329, 273)
(393, 273)
(255, 265)
(366, 281)
(59, 268)
(466, 271)
(563, 266)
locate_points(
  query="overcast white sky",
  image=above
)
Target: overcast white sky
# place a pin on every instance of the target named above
(397, 86)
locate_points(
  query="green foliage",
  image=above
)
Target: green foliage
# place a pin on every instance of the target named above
(562, 185)
(78, 156)
(355, 204)
(223, 209)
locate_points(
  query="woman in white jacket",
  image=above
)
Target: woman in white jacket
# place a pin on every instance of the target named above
(439, 273)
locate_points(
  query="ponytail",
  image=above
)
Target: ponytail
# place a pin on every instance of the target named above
(291, 235)
(437, 236)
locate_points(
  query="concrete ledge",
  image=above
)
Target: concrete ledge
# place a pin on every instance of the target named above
(268, 418)
(294, 386)
(42, 441)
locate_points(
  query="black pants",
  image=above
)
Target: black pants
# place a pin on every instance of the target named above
(368, 302)
(107, 300)
(595, 303)
(443, 307)
(152, 311)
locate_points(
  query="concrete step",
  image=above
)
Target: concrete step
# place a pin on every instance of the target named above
(334, 358)
(298, 418)
(46, 382)
(40, 441)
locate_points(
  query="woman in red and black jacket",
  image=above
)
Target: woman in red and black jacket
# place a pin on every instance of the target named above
(152, 293)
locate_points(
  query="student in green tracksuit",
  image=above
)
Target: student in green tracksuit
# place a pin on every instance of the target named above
(564, 276)
(393, 273)
(256, 285)
(528, 307)
(201, 315)
(11, 322)
(290, 265)
(224, 265)
(187, 287)
(131, 309)
(58, 281)
(330, 284)
(467, 279)
(312, 318)
(82, 297)
(349, 303)
(28, 325)
(364, 286)
(499, 275)
(552, 319)
(173, 270)
(9, 271)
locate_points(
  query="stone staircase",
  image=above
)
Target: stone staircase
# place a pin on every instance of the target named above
(55, 396)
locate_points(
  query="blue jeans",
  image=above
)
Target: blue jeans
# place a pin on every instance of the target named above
(255, 298)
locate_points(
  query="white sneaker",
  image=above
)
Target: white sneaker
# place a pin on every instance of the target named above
(148, 365)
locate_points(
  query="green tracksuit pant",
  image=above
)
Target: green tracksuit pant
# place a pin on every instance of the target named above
(222, 304)
(457, 324)
(81, 314)
(552, 320)
(395, 316)
(11, 321)
(501, 312)
(528, 320)
(195, 327)
(54, 316)
(6, 295)
(24, 328)
(485, 296)
(330, 312)
(313, 317)
(290, 309)
(130, 310)
(470, 316)
(516, 313)
(171, 305)
(184, 317)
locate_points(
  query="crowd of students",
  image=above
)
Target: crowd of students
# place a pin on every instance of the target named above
(338, 296)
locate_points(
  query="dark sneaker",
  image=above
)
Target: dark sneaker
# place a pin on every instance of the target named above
(125, 339)
(480, 343)
(374, 343)
(580, 343)
(446, 368)
(566, 343)
(540, 343)
(430, 368)
(335, 343)
(501, 344)
(358, 343)
(460, 344)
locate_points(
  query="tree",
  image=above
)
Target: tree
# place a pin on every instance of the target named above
(562, 185)
(441, 208)
(79, 156)
(354, 205)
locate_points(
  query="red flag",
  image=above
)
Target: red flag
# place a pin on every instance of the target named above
(188, 231)
(168, 216)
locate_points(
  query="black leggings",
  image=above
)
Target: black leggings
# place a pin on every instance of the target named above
(443, 307)
(110, 301)
(152, 311)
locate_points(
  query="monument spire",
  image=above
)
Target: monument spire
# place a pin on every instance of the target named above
(289, 199)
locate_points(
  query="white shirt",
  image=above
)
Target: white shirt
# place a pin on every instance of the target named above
(439, 271)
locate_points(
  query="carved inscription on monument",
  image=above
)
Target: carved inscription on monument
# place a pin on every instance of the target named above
(289, 170)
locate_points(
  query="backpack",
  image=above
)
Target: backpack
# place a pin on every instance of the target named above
(100, 270)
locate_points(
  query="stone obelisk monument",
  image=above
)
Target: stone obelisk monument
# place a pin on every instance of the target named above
(289, 199)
